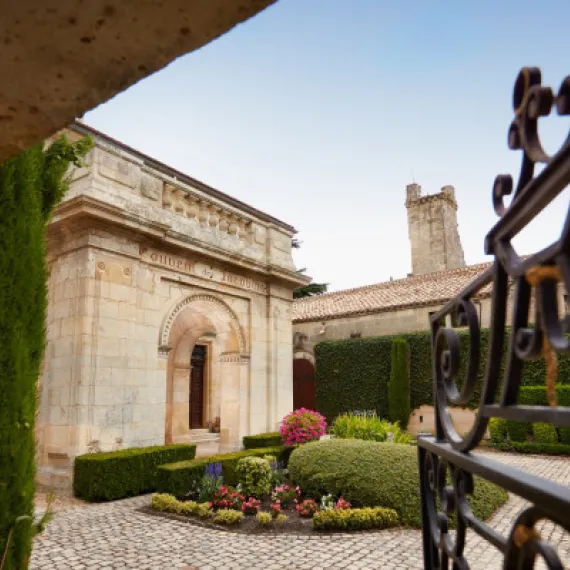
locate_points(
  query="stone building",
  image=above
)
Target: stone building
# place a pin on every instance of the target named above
(401, 305)
(169, 308)
(396, 306)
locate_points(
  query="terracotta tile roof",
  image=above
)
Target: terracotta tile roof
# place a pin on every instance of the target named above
(421, 290)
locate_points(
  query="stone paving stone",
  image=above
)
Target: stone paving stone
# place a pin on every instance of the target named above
(117, 536)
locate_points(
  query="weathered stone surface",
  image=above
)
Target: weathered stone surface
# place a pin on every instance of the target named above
(117, 535)
(61, 58)
(432, 226)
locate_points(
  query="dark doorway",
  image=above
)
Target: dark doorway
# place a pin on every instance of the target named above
(303, 384)
(198, 365)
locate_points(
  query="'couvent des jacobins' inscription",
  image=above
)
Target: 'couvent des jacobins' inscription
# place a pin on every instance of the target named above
(198, 269)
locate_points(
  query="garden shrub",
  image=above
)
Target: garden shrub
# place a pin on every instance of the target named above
(368, 427)
(370, 474)
(228, 518)
(254, 476)
(517, 431)
(399, 385)
(169, 504)
(184, 477)
(301, 426)
(564, 436)
(124, 473)
(544, 433)
(271, 439)
(355, 519)
(31, 186)
(264, 518)
(498, 430)
(547, 438)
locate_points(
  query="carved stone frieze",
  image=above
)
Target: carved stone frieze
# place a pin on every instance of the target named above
(206, 212)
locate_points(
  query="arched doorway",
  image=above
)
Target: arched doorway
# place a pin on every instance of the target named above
(304, 384)
(205, 347)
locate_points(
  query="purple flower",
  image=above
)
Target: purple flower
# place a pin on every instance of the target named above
(214, 470)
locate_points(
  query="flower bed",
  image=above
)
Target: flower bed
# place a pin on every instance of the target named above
(250, 519)
(250, 491)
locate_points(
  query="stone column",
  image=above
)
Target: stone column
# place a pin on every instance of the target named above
(230, 404)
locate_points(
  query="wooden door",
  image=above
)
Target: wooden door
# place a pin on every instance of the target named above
(198, 364)
(303, 384)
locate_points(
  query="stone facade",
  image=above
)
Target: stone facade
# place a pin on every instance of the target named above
(432, 225)
(146, 264)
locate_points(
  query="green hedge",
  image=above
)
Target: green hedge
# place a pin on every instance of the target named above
(371, 474)
(399, 385)
(532, 438)
(534, 447)
(181, 478)
(124, 473)
(353, 374)
(271, 439)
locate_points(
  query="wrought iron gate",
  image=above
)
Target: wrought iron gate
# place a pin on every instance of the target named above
(446, 458)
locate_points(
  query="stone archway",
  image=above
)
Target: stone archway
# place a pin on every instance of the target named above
(205, 321)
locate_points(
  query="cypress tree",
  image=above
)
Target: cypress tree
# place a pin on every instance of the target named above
(31, 185)
(399, 385)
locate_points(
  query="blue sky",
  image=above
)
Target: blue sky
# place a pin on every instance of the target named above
(320, 112)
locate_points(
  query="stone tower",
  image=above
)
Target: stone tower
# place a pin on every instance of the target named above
(432, 226)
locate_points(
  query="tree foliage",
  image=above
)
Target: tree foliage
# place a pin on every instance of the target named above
(310, 290)
(31, 185)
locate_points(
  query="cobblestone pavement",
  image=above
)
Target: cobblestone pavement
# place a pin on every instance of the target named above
(116, 535)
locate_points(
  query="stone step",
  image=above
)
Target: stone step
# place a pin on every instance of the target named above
(200, 431)
(204, 437)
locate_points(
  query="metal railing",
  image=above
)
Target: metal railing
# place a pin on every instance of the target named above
(446, 465)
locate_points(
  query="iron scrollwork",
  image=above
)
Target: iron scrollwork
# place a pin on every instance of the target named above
(447, 468)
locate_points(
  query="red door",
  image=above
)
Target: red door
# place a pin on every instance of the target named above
(303, 384)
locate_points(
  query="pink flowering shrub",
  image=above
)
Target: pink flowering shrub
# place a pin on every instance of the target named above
(342, 504)
(285, 494)
(227, 498)
(276, 508)
(251, 506)
(301, 426)
(307, 508)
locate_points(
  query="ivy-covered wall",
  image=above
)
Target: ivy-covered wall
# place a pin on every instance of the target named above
(354, 374)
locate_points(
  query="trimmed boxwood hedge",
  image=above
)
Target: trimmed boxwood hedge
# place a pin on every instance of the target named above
(124, 473)
(372, 474)
(533, 438)
(270, 439)
(353, 374)
(180, 478)
(534, 447)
